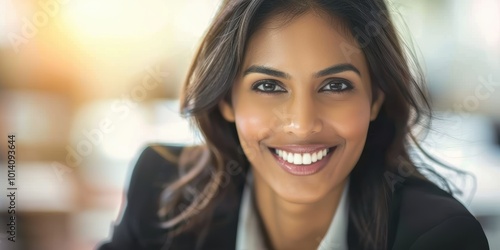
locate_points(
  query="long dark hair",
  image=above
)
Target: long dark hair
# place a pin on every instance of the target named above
(386, 152)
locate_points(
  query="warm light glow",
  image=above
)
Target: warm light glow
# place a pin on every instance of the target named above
(196, 16)
(115, 18)
(117, 39)
(129, 19)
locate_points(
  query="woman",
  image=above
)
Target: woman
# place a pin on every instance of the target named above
(306, 109)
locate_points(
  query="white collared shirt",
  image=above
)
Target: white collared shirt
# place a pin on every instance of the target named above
(249, 236)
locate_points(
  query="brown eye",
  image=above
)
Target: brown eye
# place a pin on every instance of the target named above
(337, 85)
(268, 86)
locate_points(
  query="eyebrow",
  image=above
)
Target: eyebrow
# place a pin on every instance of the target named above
(267, 71)
(324, 72)
(337, 69)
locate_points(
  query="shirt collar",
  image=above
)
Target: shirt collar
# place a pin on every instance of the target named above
(249, 236)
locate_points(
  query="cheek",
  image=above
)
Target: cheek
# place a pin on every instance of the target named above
(253, 124)
(351, 121)
(355, 126)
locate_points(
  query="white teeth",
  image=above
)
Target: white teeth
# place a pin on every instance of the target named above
(306, 159)
(320, 155)
(289, 158)
(297, 159)
(301, 159)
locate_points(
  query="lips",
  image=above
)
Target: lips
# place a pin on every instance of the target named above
(302, 160)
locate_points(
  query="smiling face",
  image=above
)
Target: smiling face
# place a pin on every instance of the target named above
(302, 106)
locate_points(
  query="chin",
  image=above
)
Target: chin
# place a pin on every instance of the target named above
(306, 189)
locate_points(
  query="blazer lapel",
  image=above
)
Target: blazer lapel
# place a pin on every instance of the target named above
(219, 232)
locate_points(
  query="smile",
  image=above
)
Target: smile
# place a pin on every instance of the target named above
(302, 161)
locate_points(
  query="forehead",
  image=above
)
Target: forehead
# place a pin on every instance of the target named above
(308, 41)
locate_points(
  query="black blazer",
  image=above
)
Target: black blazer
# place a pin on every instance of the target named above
(425, 217)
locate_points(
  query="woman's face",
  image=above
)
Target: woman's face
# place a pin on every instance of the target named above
(304, 90)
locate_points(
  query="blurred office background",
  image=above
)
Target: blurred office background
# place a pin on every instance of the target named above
(85, 84)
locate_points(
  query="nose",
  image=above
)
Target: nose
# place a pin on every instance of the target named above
(303, 117)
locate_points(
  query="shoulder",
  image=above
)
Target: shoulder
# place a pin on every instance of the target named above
(155, 161)
(430, 218)
(156, 167)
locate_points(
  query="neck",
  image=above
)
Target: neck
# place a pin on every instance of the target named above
(291, 226)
